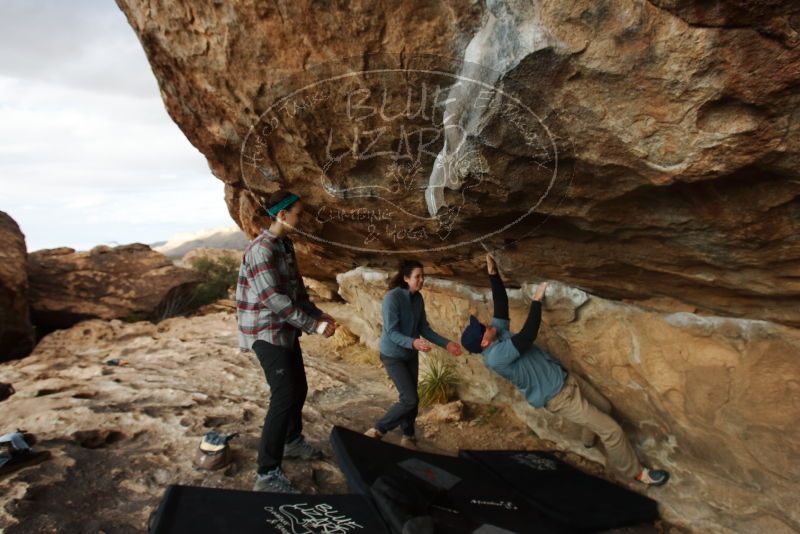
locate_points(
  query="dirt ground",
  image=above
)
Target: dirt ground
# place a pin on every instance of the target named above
(118, 435)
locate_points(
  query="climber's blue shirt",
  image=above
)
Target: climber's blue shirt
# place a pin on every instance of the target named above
(535, 373)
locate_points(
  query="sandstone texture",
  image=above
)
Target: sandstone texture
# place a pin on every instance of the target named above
(713, 400)
(644, 154)
(122, 282)
(119, 435)
(16, 333)
(651, 151)
(452, 412)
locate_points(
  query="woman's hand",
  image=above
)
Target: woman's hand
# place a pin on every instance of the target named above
(491, 265)
(421, 345)
(454, 348)
(539, 295)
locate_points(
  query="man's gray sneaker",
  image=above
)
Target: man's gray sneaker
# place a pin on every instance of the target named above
(302, 450)
(275, 482)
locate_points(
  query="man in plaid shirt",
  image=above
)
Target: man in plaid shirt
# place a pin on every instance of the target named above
(273, 309)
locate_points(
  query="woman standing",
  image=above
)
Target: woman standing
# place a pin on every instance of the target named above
(404, 327)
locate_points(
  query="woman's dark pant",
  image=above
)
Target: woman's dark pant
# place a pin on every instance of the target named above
(403, 373)
(286, 376)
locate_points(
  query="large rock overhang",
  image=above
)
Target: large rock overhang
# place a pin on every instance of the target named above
(672, 136)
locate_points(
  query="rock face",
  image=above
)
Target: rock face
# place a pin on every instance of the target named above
(119, 435)
(107, 283)
(708, 398)
(16, 333)
(635, 149)
(644, 153)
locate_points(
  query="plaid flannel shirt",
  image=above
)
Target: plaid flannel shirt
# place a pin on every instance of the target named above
(271, 300)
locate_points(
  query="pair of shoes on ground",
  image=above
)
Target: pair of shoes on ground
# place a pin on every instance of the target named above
(653, 477)
(409, 442)
(16, 452)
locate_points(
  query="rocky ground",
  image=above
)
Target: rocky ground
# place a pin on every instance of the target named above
(119, 434)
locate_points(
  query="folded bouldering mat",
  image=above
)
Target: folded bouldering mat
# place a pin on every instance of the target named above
(421, 493)
(195, 510)
(564, 493)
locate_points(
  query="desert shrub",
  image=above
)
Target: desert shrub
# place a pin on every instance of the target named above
(220, 276)
(179, 301)
(438, 381)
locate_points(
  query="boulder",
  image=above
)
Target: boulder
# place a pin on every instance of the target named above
(125, 282)
(452, 412)
(642, 153)
(704, 397)
(16, 333)
(639, 150)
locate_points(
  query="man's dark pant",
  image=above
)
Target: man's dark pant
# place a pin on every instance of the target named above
(286, 376)
(403, 413)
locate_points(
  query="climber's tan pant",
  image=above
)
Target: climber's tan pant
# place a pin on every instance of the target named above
(582, 404)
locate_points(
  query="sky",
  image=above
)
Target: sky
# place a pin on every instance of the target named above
(88, 153)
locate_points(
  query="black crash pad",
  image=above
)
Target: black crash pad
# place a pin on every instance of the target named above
(457, 494)
(564, 493)
(195, 510)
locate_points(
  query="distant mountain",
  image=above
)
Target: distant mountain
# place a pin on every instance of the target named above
(180, 244)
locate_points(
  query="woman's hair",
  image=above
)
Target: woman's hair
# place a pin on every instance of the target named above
(405, 269)
(273, 199)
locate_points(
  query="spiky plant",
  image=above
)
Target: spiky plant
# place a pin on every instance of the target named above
(438, 382)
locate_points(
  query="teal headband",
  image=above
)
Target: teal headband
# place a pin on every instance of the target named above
(283, 204)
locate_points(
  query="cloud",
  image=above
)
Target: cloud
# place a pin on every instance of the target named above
(85, 44)
(82, 219)
(88, 154)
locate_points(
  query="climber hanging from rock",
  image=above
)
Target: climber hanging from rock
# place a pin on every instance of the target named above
(546, 384)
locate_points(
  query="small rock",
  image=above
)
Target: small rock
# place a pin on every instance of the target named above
(451, 412)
